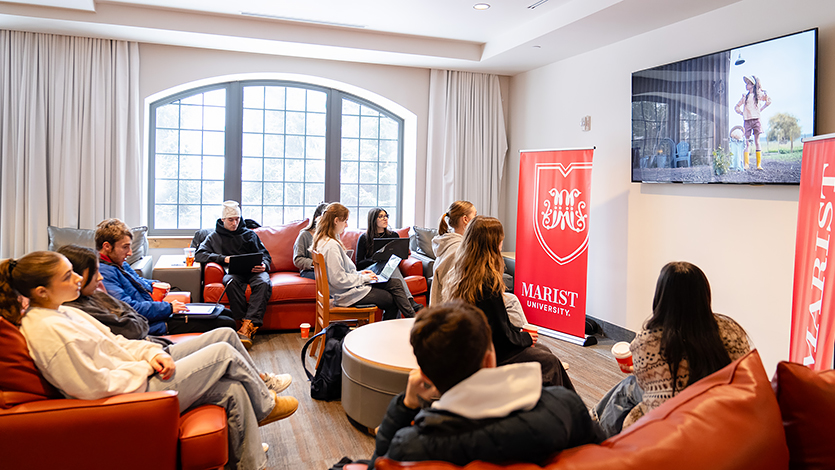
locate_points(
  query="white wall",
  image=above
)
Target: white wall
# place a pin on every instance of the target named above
(164, 67)
(743, 237)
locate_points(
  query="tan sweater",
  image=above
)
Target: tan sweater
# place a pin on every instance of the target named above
(653, 372)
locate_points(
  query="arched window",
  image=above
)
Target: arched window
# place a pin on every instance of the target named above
(280, 148)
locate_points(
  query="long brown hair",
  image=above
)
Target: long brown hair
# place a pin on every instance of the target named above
(479, 264)
(326, 228)
(681, 308)
(457, 210)
(21, 276)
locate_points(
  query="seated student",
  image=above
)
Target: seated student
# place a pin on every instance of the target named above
(113, 313)
(445, 244)
(378, 220)
(683, 339)
(113, 239)
(477, 280)
(301, 248)
(347, 285)
(83, 359)
(494, 414)
(232, 238)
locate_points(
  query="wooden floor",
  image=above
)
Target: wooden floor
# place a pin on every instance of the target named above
(319, 434)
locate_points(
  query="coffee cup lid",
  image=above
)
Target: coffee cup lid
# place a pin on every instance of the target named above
(621, 349)
(304, 325)
(162, 285)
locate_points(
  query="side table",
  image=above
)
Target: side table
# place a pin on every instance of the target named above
(173, 270)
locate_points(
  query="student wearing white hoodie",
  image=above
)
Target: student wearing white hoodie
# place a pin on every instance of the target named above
(347, 285)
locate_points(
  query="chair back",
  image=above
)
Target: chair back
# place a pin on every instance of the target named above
(320, 272)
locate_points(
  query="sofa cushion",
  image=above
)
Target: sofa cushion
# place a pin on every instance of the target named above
(279, 241)
(727, 421)
(807, 404)
(59, 237)
(291, 287)
(20, 380)
(422, 241)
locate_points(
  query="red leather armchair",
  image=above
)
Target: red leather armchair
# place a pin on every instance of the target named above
(293, 299)
(41, 429)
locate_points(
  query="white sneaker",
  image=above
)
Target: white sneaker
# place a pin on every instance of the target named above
(277, 382)
(265, 446)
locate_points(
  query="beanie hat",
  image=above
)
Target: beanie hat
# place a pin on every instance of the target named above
(231, 209)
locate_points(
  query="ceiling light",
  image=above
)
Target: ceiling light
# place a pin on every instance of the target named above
(481, 6)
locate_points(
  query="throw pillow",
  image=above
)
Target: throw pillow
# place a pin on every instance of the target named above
(807, 403)
(20, 380)
(59, 237)
(423, 237)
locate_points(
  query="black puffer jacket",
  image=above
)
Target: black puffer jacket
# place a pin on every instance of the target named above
(559, 421)
(222, 243)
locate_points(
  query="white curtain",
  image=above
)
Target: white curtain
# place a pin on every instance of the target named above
(467, 142)
(70, 140)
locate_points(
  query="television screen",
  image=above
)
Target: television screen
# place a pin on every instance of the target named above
(736, 116)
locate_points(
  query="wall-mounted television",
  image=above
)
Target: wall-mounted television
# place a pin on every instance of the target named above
(736, 116)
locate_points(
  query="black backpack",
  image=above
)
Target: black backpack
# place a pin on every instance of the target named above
(327, 383)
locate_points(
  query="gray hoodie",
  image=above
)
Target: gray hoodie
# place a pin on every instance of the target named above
(445, 247)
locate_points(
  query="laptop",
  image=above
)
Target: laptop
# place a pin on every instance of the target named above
(243, 264)
(384, 271)
(385, 247)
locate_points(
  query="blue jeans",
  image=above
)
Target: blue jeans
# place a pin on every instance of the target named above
(215, 369)
(612, 409)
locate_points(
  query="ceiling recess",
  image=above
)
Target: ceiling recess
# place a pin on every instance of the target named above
(537, 4)
(305, 20)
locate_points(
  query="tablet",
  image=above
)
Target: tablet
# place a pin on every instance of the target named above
(243, 264)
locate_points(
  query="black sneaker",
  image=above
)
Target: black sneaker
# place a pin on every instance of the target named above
(415, 306)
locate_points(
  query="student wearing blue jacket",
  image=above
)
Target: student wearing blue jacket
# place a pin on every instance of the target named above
(113, 240)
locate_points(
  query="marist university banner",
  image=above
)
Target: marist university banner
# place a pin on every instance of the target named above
(812, 333)
(552, 238)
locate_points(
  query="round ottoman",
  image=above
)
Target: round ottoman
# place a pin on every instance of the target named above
(376, 360)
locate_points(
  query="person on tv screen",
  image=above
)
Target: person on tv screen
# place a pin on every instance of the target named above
(752, 103)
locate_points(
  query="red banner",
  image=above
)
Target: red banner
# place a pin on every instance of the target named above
(552, 238)
(814, 269)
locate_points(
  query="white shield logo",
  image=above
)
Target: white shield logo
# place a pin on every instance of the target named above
(560, 212)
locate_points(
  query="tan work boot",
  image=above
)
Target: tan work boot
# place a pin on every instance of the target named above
(246, 332)
(284, 407)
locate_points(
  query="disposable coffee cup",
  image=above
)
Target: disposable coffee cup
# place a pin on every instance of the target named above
(530, 328)
(189, 252)
(623, 355)
(305, 329)
(160, 291)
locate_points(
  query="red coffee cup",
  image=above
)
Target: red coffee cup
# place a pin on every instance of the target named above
(530, 328)
(160, 291)
(623, 355)
(305, 329)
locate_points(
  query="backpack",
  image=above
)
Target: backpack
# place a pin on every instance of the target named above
(327, 383)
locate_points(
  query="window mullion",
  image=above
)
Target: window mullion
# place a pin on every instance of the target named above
(333, 150)
(234, 137)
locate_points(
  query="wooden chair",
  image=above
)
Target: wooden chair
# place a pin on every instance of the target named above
(325, 312)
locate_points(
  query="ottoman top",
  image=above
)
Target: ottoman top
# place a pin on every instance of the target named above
(384, 343)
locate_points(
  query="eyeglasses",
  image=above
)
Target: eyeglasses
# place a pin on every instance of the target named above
(383, 216)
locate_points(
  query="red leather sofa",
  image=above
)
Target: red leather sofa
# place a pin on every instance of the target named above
(42, 429)
(734, 419)
(293, 298)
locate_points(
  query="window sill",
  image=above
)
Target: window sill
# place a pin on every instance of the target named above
(169, 242)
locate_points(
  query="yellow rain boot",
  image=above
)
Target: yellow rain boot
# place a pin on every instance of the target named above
(759, 160)
(746, 159)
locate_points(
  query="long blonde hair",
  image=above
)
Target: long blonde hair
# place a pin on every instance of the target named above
(479, 264)
(457, 210)
(326, 228)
